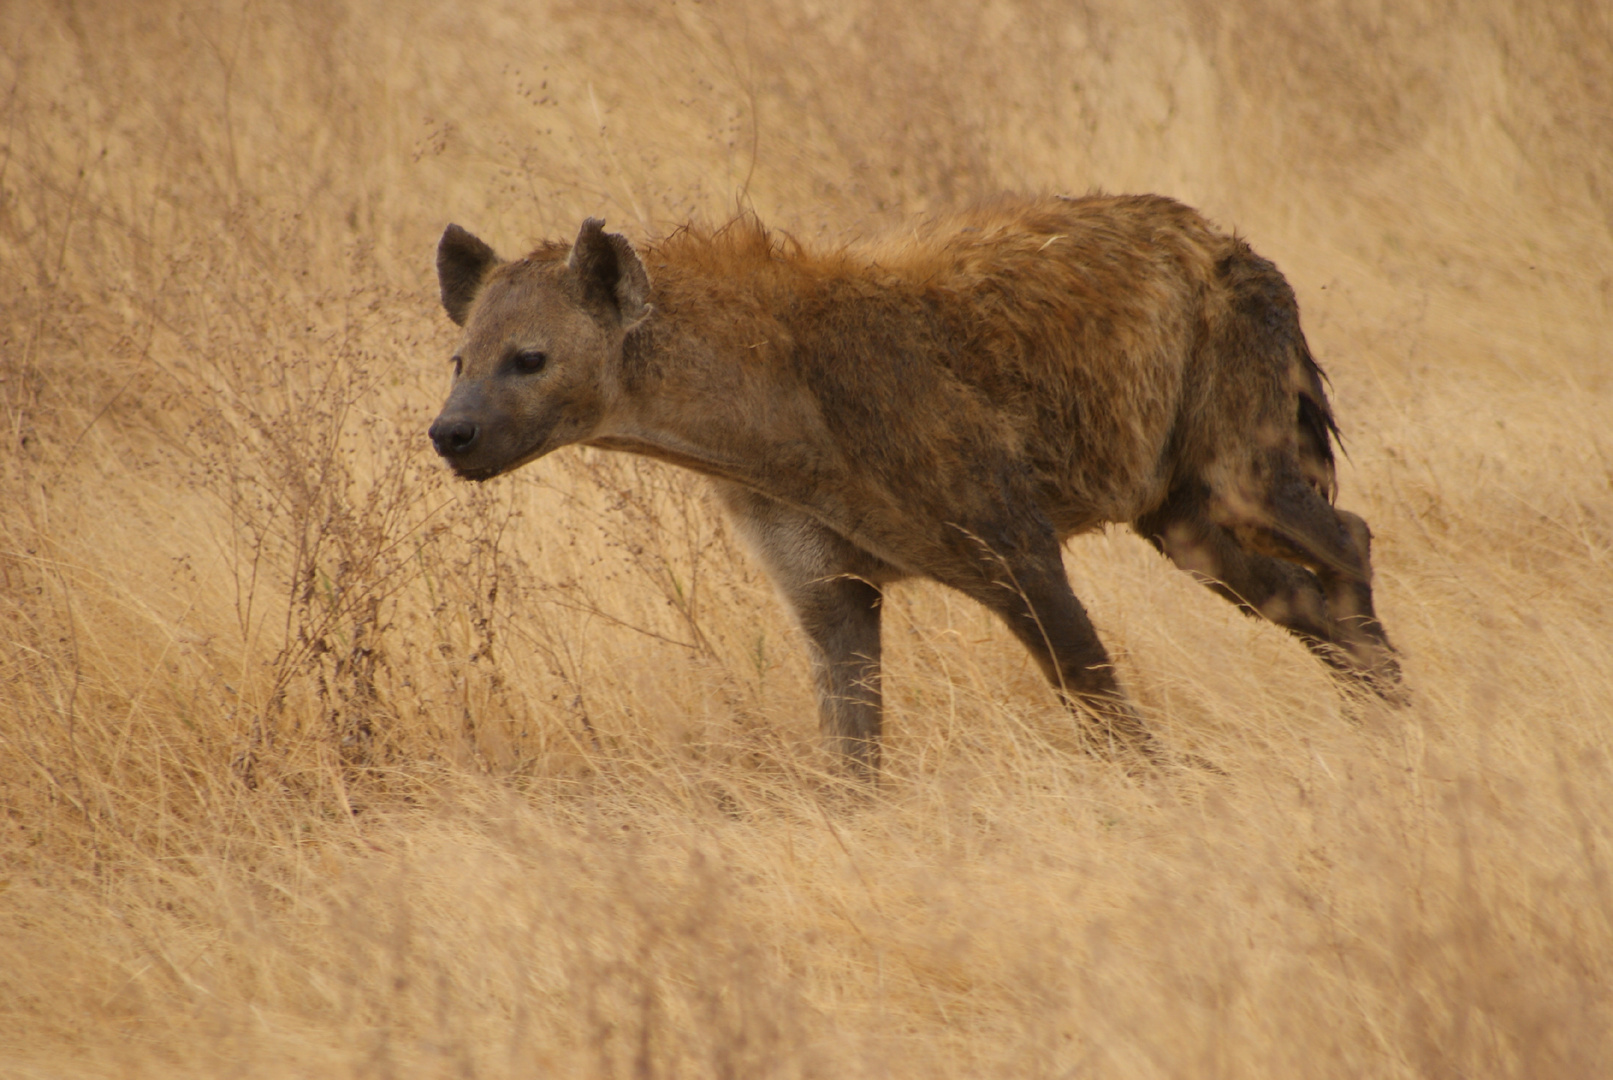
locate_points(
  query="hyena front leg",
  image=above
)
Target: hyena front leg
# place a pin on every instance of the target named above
(841, 621)
(830, 585)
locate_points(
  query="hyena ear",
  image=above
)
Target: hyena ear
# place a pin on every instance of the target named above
(462, 263)
(612, 273)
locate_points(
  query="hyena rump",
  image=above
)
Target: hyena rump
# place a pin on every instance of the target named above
(952, 403)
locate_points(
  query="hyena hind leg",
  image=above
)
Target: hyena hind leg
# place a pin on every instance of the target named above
(1281, 592)
(1291, 521)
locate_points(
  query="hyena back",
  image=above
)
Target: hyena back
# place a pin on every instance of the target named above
(950, 404)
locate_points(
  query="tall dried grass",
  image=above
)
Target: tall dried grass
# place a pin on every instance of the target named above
(314, 761)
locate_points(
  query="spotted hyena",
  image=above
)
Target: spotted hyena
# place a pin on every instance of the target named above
(952, 402)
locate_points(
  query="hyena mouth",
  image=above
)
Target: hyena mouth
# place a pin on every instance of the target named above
(478, 475)
(487, 472)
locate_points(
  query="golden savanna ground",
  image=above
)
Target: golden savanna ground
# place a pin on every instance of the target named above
(315, 762)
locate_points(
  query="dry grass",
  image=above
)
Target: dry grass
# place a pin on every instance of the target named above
(314, 762)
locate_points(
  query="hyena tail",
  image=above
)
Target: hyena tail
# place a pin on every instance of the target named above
(1318, 431)
(1262, 329)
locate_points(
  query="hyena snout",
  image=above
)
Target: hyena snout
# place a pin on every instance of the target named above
(455, 436)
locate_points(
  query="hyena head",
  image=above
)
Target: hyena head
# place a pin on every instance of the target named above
(533, 371)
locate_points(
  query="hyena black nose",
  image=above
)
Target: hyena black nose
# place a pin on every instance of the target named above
(454, 437)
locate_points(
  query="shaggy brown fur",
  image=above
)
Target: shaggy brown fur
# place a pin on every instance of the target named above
(951, 403)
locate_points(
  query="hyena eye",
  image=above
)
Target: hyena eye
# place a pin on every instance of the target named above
(459, 365)
(530, 362)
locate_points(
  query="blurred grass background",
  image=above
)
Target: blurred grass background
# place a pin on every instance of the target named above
(314, 761)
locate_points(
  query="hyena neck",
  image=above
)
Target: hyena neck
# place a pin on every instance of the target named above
(716, 403)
